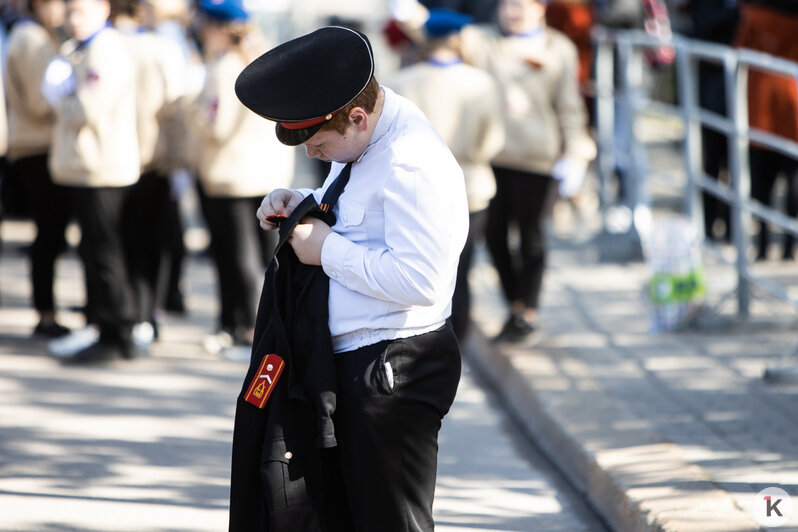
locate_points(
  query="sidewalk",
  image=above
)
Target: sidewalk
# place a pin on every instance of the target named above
(662, 432)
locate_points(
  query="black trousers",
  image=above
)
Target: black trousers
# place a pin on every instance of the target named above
(51, 210)
(154, 235)
(103, 248)
(461, 301)
(712, 96)
(388, 437)
(766, 165)
(241, 250)
(523, 201)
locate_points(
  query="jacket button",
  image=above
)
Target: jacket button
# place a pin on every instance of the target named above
(289, 455)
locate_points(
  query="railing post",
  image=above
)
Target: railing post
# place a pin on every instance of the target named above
(605, 115)
(619, 240)
(737, 97)
(687, 81)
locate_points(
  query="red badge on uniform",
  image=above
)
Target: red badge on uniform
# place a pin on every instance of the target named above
(264, 381)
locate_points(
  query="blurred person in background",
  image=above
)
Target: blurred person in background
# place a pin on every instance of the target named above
(13, 189)
(547, 145)
(3, 121)
(770, 26)
(463, 103)
(575, 19)
(714, 21)
(160, 67)
(234, 143)
(32, 44)
(95, 153)
(169, 19)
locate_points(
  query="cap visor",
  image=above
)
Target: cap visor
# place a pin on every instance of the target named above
(295, 137)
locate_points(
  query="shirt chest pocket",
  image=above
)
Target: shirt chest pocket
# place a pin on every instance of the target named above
(351, 220)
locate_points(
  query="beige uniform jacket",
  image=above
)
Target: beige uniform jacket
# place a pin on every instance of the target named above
(95, 141)
(544, 114)
(30, 117)
(463, 103)
(239, 154)
(160, 72)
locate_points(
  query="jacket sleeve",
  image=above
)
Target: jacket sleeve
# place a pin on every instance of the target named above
(217, 111)
(26, 62)
(489, 132)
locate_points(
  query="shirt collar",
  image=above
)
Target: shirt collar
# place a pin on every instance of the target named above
(442, 64)
(83, 44)
(530, 34)
(390, 108)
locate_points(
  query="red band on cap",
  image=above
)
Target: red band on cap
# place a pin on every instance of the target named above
(308, 123)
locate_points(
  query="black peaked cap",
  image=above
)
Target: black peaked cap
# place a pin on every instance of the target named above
(307, 78)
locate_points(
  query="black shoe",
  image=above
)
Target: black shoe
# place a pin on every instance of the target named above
(97, 353)
(518, 331)
(51, 329)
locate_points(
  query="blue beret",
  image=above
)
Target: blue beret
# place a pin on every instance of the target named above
(442, 22)
(302, 83)
(224, 10)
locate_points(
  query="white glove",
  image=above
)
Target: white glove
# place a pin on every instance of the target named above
(179, 182)
(58, 81)
(570, 173)
(402, 10)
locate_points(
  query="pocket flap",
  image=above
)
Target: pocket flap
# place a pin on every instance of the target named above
(350, 213)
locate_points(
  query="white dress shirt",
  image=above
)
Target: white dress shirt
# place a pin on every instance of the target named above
(402, 221)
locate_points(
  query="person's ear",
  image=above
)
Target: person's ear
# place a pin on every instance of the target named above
(359, 118)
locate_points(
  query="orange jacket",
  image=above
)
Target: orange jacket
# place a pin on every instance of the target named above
(575, 20)
(772, 99)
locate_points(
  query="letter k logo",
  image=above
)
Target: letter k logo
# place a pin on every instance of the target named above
(772, 506)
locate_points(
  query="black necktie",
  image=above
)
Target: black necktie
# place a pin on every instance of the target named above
(335, 189)
(308, 206)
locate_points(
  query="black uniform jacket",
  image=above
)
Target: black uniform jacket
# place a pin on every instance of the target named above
(277, 468)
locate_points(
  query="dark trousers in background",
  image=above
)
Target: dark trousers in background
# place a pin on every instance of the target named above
(766, 165)
(388, 437)
(50, 206)
(461, 301)
(715, 153)
(239, 247)
(524, 201)
(715, 145)
(149, 229)
(111, 298)
(170, 292)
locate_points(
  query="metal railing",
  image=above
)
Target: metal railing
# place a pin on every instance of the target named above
(621, 97)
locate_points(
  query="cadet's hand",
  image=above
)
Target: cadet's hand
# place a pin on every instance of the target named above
(307, 239)
(280, 201)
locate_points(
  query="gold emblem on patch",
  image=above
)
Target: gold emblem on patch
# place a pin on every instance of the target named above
(265, 379)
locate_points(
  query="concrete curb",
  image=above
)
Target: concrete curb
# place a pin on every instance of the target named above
(608, 476)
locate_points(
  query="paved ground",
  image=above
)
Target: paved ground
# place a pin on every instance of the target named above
(145, 446)
(671, 431)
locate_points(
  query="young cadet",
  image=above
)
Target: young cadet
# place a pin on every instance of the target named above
(463, 103)
(547, 145)
(160, 69)
(95, 153)
(233, 144)
(31, 46)
(396, 220)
